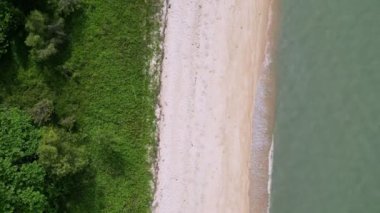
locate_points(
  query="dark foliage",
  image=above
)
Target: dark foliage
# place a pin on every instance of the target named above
(6, 23)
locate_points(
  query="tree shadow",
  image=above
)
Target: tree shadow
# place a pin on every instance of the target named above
(115, 162)
(112, 157)
(84, 192)
(17, 57)
(8, 75)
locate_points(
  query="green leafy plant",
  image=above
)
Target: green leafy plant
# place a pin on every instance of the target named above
(60, 153)
(21, 177)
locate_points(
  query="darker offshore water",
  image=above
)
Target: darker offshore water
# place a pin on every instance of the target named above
(327, 131)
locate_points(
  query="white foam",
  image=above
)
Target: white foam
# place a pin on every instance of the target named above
(270, 162)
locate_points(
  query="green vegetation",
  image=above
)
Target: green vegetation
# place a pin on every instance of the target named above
(6, 23)
(43, 39)
(86, 87)
(60, 155)
(46, 31)
(37, 166)
(21, 177)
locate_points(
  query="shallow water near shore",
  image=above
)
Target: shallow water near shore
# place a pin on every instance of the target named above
(326, 144)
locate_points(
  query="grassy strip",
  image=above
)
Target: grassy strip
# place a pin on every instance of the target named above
(110, 94)
(113, 101)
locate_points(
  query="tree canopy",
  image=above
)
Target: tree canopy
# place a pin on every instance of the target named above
(21, 177)
(60, 153)
(6, 23)
(44, 35)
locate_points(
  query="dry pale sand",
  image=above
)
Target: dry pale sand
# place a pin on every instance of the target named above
(214, 52)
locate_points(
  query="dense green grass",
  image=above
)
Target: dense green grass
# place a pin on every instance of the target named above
(110, 94)
(113, 101)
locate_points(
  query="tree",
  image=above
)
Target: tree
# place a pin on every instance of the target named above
(66, 7)
(44, 35)
(68, 122)
(60, 153)
(21, 177)
(42, 111)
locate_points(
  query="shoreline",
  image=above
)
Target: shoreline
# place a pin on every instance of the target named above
(210, 75)
(263, 121)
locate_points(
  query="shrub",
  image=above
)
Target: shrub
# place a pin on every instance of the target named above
(44, 35)
(66, 7)
(68, 123)
(46, 31)
(41, 112)
(61, 154)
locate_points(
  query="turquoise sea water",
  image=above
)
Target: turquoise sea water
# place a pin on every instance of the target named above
(327, 134)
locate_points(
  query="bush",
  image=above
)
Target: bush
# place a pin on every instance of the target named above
(44, 35)
(41, 112)
(68, 123)
(46, 31)
(61, 154)
(66, 7)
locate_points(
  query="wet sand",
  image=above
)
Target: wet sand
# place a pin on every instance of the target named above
(208, 160)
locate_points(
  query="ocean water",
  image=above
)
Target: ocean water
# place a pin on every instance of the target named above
(327, 130)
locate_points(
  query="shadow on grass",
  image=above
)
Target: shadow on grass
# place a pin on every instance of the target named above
(112, 155)
(84, 192)
(16, 57)
(8, 76)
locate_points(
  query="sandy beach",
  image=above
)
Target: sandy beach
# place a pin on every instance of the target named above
(210, 157)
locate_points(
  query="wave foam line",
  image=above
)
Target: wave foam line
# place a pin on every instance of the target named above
(263, 119)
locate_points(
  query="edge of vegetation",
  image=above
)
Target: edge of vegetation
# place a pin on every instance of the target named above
(87, 76)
